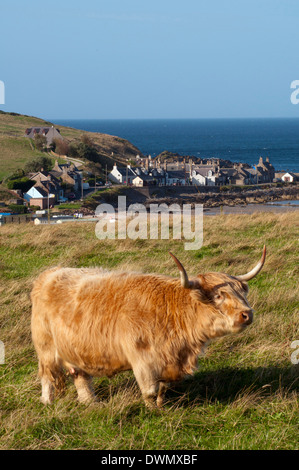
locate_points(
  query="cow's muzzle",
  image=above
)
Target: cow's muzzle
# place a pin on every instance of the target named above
(245, 318)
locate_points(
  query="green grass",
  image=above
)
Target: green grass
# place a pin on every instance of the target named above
(14, 153)
(245, 392)
(74, 206)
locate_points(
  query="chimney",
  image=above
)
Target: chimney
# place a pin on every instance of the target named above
(190, 167)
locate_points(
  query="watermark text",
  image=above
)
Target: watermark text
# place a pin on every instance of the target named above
(295, 354)
(295, 94)
(158, 221)
(2, 353)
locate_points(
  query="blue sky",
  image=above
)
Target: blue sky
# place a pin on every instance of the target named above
(149, 59)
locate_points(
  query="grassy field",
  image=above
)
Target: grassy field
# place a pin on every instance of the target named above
(245, 393)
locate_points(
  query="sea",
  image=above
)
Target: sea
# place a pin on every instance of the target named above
(237, 140)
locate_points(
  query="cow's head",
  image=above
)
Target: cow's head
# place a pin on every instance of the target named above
(225, 295)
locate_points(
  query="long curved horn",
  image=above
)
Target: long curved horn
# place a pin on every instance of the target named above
(255, 270)
(184, 278)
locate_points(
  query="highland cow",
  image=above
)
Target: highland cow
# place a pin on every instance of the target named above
(93, 322)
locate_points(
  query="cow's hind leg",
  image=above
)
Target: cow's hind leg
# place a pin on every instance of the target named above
(50, 368)
(83, 384)
(161, 394)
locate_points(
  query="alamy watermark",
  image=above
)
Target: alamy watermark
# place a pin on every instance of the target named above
(295, 354)
(159, 221)
(295, 95)
(2, 353)
(2, 92)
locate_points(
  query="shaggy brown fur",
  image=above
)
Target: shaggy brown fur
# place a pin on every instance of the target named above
(93, 322)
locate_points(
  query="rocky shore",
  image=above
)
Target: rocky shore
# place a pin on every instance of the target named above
(232, 197)
(235, 198)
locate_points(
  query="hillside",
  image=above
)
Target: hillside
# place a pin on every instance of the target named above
(245, 393)
(16, 150)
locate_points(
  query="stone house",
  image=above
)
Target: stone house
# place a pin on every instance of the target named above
(238, 175)
(52, 182)
(174, 177)
(159, 176)
(69, 174)
(50, 133)
(263, 172)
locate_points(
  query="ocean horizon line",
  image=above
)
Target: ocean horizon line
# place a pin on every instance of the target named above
(174, 118)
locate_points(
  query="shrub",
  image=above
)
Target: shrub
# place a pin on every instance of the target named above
(40, 142)
(44, 162)
(17, 209)
(21, 183)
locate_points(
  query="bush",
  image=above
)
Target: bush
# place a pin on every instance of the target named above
(44, 162)
(224, 188)
(34, 208)
(21, 183)
(84, 149)
(17, 209)
(60, 146)
(40, 142)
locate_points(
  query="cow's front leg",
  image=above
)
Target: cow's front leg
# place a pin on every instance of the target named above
(148, 384)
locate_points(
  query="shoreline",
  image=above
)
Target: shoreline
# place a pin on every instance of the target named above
(251, 209)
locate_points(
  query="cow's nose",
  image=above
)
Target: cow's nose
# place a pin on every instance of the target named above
(246, 317)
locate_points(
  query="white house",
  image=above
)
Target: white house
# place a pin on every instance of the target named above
(289, 177)
(203, 176)
(122, 175)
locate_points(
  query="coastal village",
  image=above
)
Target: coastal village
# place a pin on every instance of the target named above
(67, 181)
(211, 172)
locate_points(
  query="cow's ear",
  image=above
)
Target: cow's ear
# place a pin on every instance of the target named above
(199, 289)
(245, 287)
(202, 283)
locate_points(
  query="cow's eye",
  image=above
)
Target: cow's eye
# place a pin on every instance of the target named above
(218, 297)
